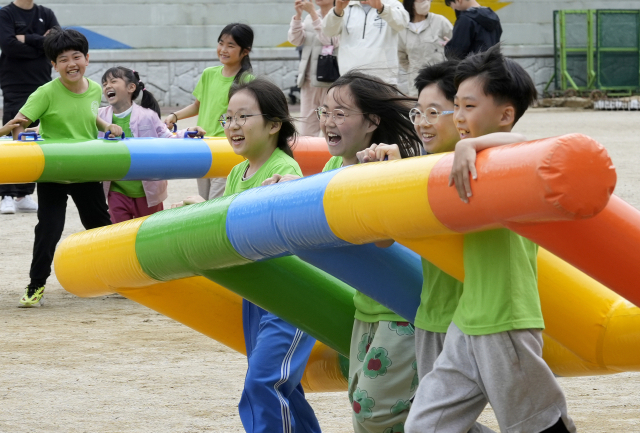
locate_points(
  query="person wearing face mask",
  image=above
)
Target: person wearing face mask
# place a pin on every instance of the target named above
(422, 42)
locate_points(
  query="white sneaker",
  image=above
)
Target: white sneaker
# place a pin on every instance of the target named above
(26, 204)
(7, 206)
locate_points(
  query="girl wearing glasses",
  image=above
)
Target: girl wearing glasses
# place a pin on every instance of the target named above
(259, 128)
(433, 121)
(360, 110)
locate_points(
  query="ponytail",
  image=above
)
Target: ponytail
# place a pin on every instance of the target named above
(148, 100)
(130, 76)
(242, 34)
(245, 69)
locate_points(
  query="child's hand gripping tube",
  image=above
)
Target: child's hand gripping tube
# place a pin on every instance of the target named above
(191, 134)
(31, 134)
(106, 136)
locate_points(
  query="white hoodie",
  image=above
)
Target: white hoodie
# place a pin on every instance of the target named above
(368, 40)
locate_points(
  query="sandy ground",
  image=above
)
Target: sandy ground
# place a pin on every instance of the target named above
(110, 365)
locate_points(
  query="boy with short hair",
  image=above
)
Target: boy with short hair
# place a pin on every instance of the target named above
(493, 349)
(67, 108)
(477, 29)
(432, 118)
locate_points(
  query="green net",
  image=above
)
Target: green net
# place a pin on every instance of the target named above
(597, 49)
(618, 49)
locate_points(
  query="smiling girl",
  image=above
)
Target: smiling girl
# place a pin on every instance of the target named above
(258, 126)
(133, 198)
(212, 92)
(360, 110)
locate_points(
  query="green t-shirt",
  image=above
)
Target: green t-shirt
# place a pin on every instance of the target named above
(279, 162)
(212, 91)
(130, 188)
(367, 310)
(333, 163)
(438, 300)
(62, 113)
(501, 284)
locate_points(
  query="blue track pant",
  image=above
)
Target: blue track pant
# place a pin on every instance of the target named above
(273, 400)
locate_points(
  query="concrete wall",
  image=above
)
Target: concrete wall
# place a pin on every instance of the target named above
(193, 24)
(172, 76)
(173, 42)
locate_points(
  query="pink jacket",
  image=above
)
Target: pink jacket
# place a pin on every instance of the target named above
(143, 123)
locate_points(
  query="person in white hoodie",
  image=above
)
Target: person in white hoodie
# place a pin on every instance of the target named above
(368, 35)
(422, 42)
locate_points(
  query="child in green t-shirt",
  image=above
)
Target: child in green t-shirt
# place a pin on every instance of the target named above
(130, 199)
(67, 108)
(432, 121)
(212, 92)
(359, 110)
(493, 347)
(259, 128)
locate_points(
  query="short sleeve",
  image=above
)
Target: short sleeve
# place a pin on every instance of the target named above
(199, 91)
(36, 105)
(283, 169)
(232, 180)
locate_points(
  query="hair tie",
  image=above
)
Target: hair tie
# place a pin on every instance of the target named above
(144, 89)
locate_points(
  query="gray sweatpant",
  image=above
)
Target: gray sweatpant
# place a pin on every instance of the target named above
(504, 369)
(429, 346)
(211, 188)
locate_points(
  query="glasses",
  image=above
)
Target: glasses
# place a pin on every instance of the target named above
(337, 115)
(431, 116)
(240, 118)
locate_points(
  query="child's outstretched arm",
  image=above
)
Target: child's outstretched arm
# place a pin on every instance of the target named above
(464, 159)
(192, 199)
(188, 111)
(23, 121)
(379, 152)
(112, 128)
(276, 178)
(10, 126)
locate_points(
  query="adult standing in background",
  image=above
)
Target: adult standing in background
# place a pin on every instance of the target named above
(422, 42)
(477, 29)
(308, 34)
(368, 35)
(23, 68)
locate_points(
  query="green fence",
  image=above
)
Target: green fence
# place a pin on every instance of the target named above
(597, 49)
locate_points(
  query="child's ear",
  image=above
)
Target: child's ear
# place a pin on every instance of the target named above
(275, 128)
(131, 87)
(55, 67)
(508, 116)
(374, 122)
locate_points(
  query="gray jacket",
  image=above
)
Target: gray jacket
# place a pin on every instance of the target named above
(416, 50)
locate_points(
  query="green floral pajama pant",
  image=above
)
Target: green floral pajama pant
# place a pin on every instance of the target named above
(383, 375)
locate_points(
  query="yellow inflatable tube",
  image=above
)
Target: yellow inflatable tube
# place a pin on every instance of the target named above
(116, 256)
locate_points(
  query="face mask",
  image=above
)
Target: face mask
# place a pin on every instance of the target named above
(422, 8)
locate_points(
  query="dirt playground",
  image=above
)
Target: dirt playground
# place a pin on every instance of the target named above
(110, 365)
